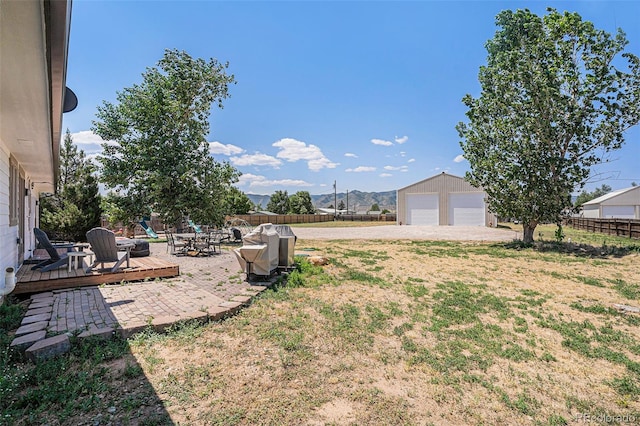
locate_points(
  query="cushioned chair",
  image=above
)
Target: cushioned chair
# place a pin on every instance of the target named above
(104, 246)
(56, 260)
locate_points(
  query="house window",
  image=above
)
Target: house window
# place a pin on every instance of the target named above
(14, 192)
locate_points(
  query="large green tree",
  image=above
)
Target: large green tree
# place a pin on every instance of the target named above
(300, 203)
(156, 156)
(279, 202)
(237, 202)
(557, 96)
(75, 206)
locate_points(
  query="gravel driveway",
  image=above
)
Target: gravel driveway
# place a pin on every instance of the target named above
(411, 232)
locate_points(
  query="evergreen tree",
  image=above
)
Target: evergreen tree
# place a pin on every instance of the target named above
(75, 207)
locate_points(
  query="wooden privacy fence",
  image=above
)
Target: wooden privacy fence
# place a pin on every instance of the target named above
(620, 227)
(389, 217)
(284, 219)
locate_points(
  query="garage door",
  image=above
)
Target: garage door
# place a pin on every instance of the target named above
(422, 209)
(467, 209)
(621, 212)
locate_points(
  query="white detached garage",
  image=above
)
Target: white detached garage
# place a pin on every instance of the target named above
(443, 199)
(620, 204)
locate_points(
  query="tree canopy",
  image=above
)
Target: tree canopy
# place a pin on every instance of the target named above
(300, 203)
(237, 202)
(156, 157)
(75, 206)
(279, 203)
(556, 96)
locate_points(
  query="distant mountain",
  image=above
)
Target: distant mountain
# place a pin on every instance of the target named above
(358, 200)
(259, 201)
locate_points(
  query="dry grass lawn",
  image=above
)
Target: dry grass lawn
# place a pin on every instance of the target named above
(387, 333)
(415, 332)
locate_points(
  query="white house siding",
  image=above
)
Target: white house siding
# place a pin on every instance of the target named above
(8, 234)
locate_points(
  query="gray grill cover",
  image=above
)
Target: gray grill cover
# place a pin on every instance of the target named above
(268, 261)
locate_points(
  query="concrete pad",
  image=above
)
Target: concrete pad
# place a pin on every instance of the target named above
(35, 318)
(27, 340)
(49, 348)
(32, 328)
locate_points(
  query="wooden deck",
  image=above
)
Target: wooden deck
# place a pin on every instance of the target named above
(29, 281)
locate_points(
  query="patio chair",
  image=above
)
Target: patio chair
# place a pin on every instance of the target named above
(150, 232)
(177, 247)
(56, 260)
(104, 246)
(237, 235)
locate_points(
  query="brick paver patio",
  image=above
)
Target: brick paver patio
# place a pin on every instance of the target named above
(208, 287)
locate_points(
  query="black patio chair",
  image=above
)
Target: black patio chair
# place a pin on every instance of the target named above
(56, 260)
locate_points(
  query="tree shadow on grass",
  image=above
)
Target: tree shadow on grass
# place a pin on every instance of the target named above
(97, 382)
(579, 250)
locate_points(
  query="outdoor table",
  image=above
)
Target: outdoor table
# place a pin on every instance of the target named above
(76, 257)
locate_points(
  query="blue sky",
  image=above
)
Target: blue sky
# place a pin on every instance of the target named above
(364, 93)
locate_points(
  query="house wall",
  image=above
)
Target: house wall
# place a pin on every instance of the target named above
(442, 184)
(9, 255)
(8, 234)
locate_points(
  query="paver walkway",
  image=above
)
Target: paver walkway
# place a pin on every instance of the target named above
(208, 287)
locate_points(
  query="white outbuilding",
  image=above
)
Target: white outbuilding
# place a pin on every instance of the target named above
(620, 204)
(443, 199)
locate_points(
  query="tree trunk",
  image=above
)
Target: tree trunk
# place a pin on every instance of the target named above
(527, 232)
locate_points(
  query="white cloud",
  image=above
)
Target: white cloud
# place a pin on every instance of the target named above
(257, 181)
(257, 159)
(402, 168)
(89, 142)
(459, 159)
(401, 140)
(86, 137)
(383, 175)
(411, 160)
(219, 148)
(381, 142)
(294, 150)
(348, 154)
(361, 169)
(402, 153)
